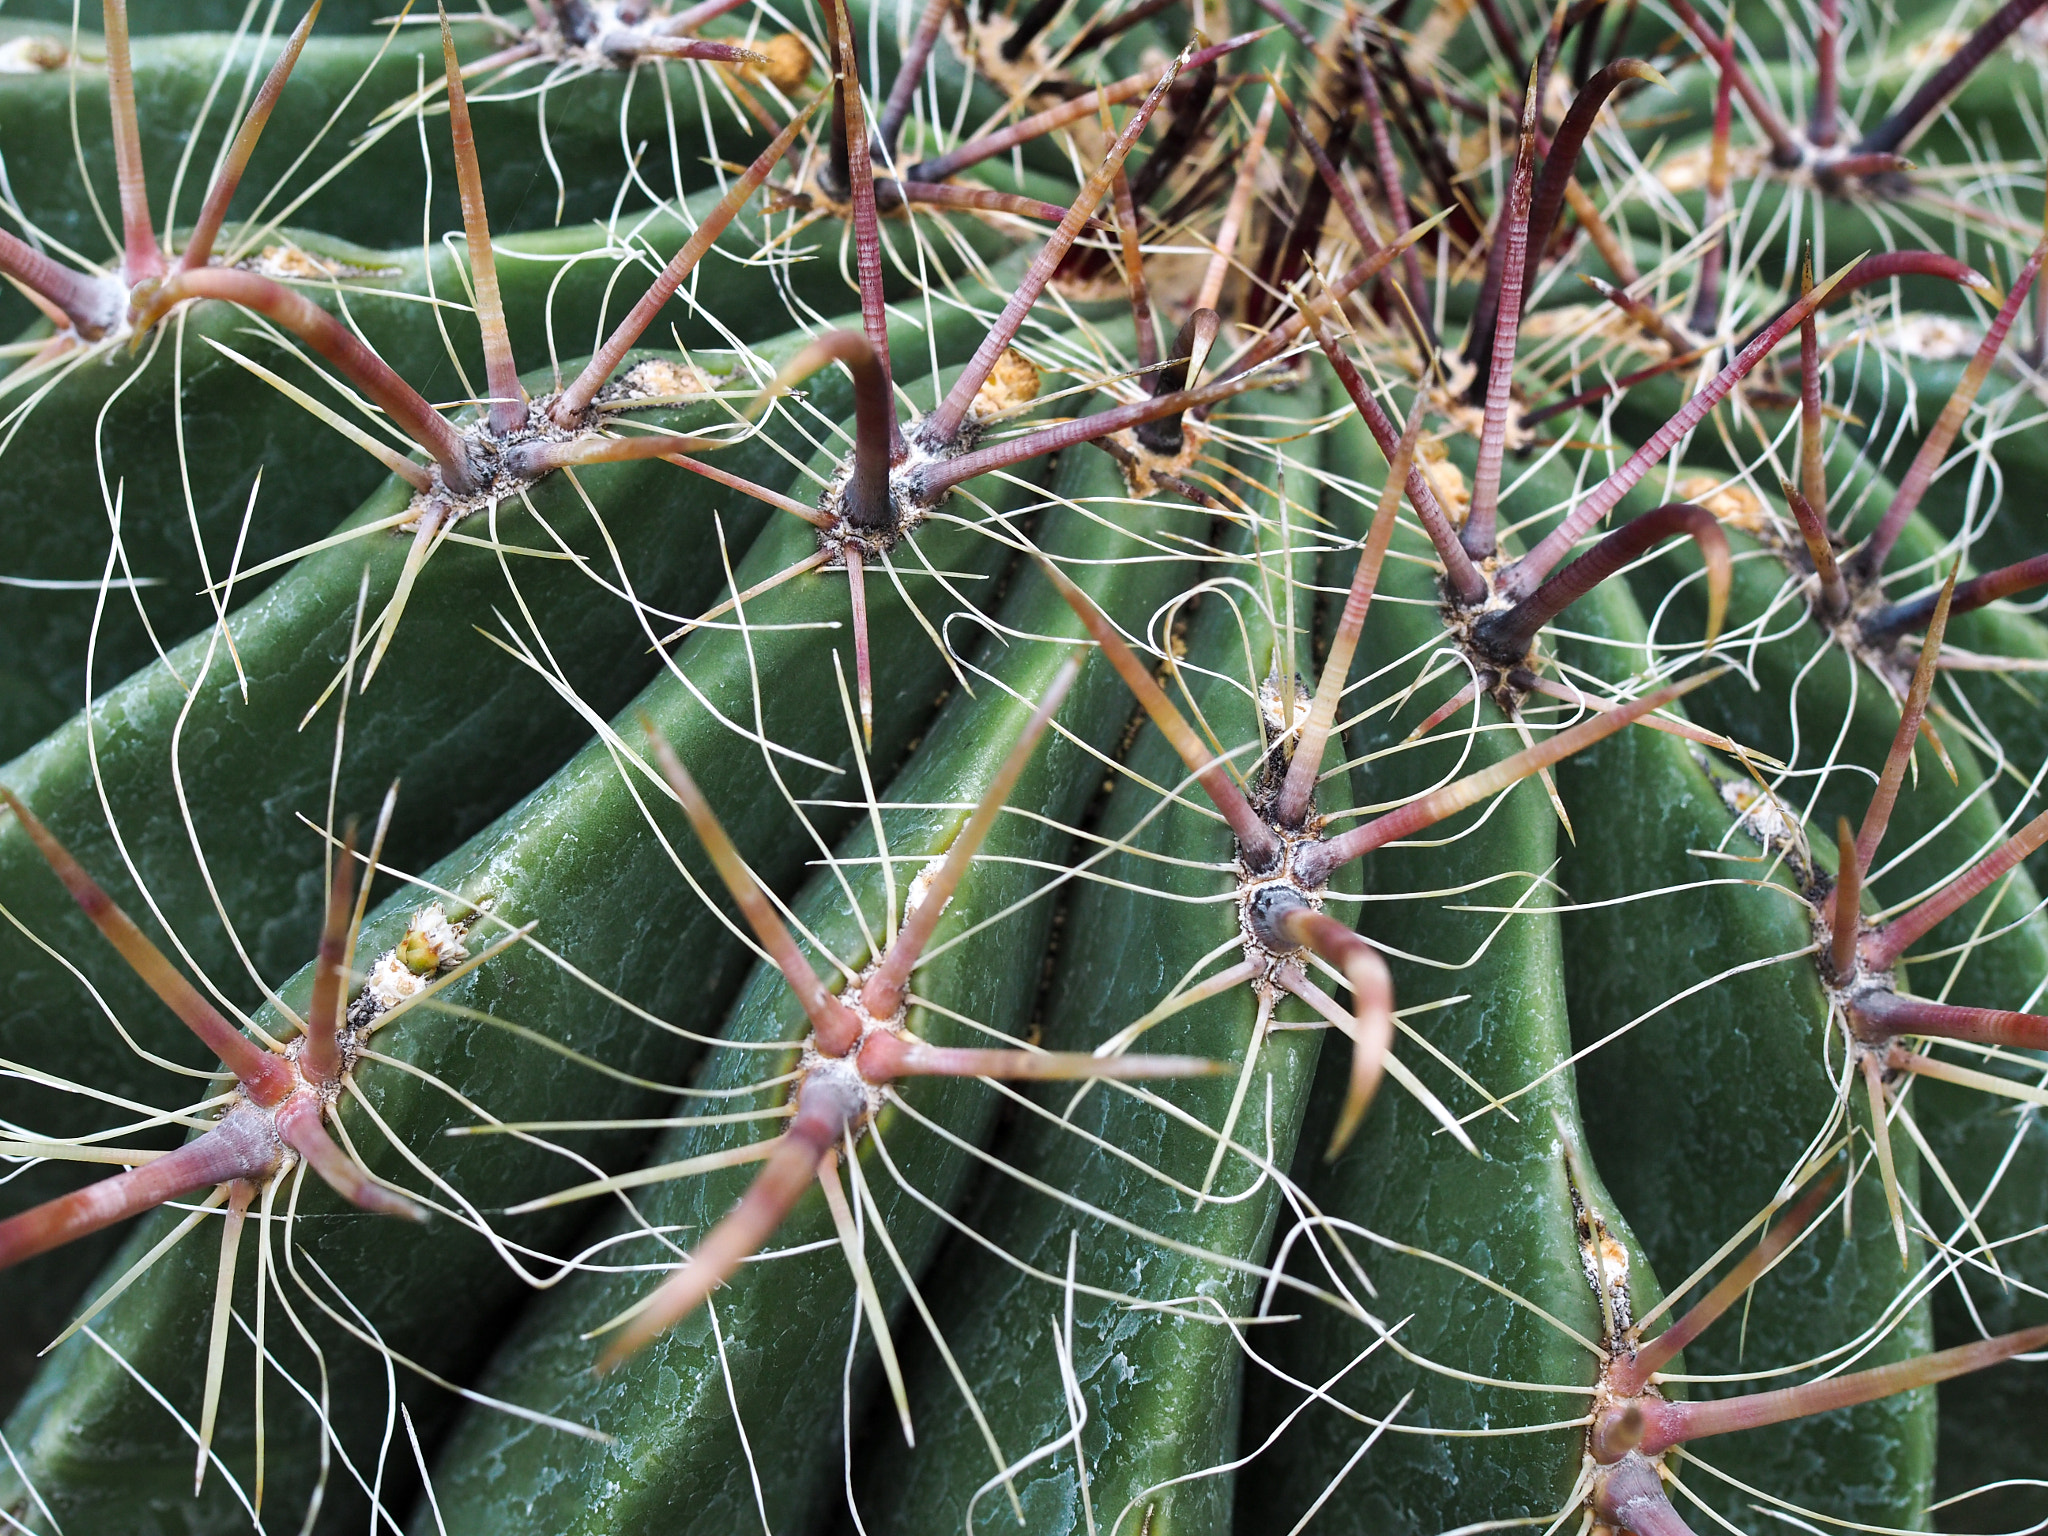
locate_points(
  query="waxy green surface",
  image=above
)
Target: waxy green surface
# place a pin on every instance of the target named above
(467, 727)
(1160, 1274)
(1506, 1213)
(591, 859)
(732, 1405)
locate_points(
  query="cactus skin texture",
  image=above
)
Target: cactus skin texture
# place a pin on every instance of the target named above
(1268, 769)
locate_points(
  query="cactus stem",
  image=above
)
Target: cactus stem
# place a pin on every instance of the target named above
(1891, 135)
(339, 345)
(1632, 1372)
(1297, 793)
(974, 151)
(240, 1193)
(1505, 635)
(1238, 208)
(1869, 561)
(1511, 241)
(1427, 810)
(1273, 341)
(569, 409)
(910, 73)
(1886, 794)
(1827, 42)
(1899, 618)
(1706, 302)
(1143, 326)
(1881, 951)
(940, 476)
(1671, 1424)
(1372, 1006)
(1388, 164)
(1466, 582)
(266, 1078)
(942, 427)
(1890, 1013)
(1260, 846)
(142, 257)
(507, 409)
(1845, 915)
(199, 245)
(1785, 151)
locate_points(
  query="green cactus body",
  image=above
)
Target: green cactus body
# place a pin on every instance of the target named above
(1138, 1308)
(704, 1429)
(147, 752)
(1505, 1214)
(1163, 1277)
(379, 200)
(570, 859)
(564, 285)
(2005, 957)
(201, 15)
(1703, 1111)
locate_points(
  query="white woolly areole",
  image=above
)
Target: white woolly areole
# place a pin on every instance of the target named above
(430, 946)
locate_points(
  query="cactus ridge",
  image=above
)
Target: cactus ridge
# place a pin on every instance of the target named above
(870, 1078)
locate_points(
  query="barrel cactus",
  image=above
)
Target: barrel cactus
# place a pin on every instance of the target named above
(708, 710)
